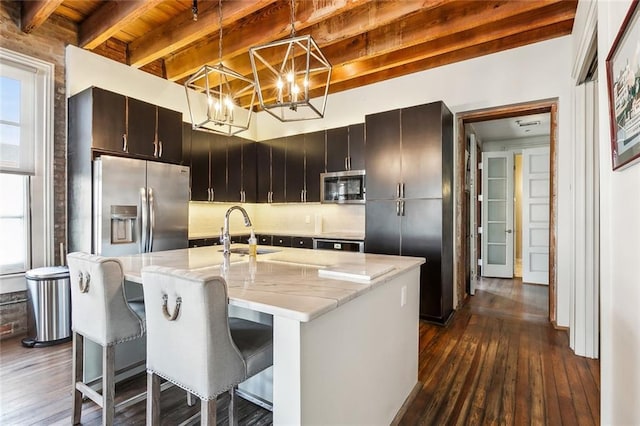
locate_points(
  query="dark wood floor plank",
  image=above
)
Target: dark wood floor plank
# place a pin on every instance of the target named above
(498, 361)
(578, 396)
(510, 376)
(591, 389)
(552, 404)
(523, 385)
(478, 400)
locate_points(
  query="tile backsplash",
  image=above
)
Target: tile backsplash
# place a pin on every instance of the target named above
(206, 219)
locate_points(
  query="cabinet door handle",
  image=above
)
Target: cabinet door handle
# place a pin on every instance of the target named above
(125, 147)
(398, 190)
(402, 190)
(346, 163)
(160, 153)
(302, 196)
(155, 149)
(349, 163)
(402, 208)
(213, 194)
(397, 208)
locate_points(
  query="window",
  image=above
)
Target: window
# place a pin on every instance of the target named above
(14, 223)
(17, 118)
(26, 178)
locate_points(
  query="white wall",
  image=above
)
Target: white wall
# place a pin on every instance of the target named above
(620, 255)
(534, 72)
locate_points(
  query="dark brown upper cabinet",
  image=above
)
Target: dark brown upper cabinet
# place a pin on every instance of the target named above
(314, 164)
(98, 117)
(125, 126)
(345, 148)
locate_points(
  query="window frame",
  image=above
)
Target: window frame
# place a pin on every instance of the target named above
(41, 185)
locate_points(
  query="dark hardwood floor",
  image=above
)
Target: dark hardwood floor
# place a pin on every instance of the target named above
(498, 361)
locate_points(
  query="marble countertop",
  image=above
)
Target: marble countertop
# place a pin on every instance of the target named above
(283, 281)
(334, 235)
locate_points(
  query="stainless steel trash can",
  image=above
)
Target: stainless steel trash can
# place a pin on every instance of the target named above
(48, 306)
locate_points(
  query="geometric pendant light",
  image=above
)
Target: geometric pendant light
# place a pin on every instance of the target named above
(213, 93)
(284, 88)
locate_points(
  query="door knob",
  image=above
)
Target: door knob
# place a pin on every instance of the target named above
(508, 231)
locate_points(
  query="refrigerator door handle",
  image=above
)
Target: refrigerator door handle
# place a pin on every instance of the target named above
(152, 220)
(143, 219)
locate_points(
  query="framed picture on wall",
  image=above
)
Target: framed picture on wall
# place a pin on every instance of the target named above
(623, 84)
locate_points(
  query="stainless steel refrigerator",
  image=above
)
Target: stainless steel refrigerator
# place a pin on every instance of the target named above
(139, 206)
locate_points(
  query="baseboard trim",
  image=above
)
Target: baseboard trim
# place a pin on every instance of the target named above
(405, 406)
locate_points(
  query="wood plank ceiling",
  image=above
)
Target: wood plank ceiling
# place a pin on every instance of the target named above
(366, 41)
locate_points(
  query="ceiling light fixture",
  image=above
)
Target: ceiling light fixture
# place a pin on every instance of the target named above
(527, 123)
(212, 94)
(284, 88)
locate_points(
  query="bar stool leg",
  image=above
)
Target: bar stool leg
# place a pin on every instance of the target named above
(153, 399)
(78, 354)
(191, 400)
(108, 385)
(208, 412)
(233, 411)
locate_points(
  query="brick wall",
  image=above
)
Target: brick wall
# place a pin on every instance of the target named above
(46, 43)
(13, 314)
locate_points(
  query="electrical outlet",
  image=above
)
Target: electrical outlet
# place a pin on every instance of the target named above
(403, 296)
(307, 219)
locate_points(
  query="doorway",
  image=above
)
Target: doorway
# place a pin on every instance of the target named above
(463, 223)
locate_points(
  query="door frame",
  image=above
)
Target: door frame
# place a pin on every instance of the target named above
(494, 113)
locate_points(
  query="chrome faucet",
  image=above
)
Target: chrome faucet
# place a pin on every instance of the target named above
(225, 238)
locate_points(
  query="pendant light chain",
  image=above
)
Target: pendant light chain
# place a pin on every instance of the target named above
(293, 18)
(220, 31)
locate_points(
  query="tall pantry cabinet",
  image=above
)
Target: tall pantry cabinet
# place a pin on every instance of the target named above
(409, 206)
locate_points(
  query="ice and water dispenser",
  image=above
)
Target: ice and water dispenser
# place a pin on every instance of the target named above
(123, 222)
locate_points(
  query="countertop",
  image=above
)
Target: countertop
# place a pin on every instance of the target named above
(284, 281)
(334, 235)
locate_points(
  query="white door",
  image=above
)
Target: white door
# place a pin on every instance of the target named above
(473, 226)
(535, 215)
(497, 214)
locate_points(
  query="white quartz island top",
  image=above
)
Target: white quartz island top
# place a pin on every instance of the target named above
(284, 282)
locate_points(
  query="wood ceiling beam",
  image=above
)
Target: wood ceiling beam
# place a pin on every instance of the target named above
(272, 23)
(494, 46)
(351, 23)
(414, 29)
(358, 56)
(110, 18)
(370, 62)
(35, 12)
(183, 30)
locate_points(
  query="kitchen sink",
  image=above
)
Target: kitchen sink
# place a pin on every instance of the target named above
(245, 250)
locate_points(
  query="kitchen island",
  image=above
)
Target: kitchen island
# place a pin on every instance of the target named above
(345, 326)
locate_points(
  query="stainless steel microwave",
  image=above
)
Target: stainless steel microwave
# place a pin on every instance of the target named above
(343, 187)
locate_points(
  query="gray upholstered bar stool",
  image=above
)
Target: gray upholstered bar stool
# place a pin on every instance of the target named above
(192, 342)
(100, 313)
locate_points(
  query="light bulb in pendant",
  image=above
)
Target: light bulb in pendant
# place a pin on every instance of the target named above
(279, 86)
